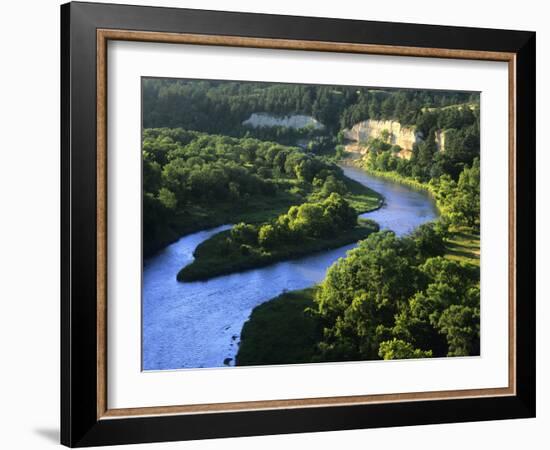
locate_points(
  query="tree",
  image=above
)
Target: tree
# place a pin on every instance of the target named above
(424, 157)
(384, 161)
(339, 212)
(387, 108)
(465, 204)
(398, 349)
(167, 198)
(268, 237)
(460, 325)
(333, 185)
(360, 295)
(428, 240)
(245, 234)
(308, 220)
(413, 324)
(447, 284)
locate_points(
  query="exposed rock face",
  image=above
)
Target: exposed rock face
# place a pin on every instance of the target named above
(405, 137)
(297, 121)
(390, 131)
(440, 136)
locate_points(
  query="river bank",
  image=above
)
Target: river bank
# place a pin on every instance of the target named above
(463, 243)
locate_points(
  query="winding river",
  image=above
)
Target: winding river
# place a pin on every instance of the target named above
(198, 324)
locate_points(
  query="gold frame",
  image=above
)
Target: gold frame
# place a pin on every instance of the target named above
(103, 36)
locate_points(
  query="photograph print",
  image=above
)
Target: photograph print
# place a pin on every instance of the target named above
(302, 223)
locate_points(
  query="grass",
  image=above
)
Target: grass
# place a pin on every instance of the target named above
(216, 256)
(280, 331)
(463, 246)
(362, 198)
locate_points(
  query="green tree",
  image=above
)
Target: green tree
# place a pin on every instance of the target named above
(460, 325)
(268, 237)
(245, 234)
(360, 295)
(167, 198)
(429, 240)
(398, 349)
(465, 204)
(333, 185)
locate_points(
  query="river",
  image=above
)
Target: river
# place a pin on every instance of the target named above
(198, 324)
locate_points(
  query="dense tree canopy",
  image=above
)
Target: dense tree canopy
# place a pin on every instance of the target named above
(184, 170)
(320, 219)
(460, 201)
(399, 298)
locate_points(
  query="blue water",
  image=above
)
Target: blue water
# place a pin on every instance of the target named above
(198, 324)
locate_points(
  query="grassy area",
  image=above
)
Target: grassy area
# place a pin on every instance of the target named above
(280, 331)
(215, 256)
(362, 198)
(463, 246)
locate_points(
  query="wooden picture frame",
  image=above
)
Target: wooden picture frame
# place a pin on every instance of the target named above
(86, 418)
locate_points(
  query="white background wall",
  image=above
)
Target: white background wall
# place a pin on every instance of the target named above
(29, 224)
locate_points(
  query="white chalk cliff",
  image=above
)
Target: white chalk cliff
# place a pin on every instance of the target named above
(405, 137)
(391, 132)
(297, 121)
(440, 137)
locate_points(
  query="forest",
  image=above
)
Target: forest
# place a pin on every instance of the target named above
(193, 180)
(286, 196)
(220, 107)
